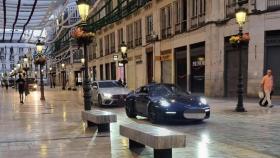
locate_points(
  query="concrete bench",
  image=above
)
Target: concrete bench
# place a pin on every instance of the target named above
(161, 139)
(101, 119)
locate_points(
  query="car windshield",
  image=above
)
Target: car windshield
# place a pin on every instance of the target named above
(166, 90)
(108, 84)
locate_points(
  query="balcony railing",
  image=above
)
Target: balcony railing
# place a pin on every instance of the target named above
(273, 4)
(181, 27)
(97, 20)
(230, 9)
(113, 49)
(197, 21)
(138, 42)
(130, 44)
(166, 33)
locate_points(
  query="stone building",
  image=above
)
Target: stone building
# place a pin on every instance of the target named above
(186, 42)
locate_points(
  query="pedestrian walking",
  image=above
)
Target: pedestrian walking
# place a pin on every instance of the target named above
(267, 87)
(53, 83)
(21, 87)
(6, 84)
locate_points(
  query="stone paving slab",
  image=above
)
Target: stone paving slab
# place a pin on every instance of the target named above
(54, 129)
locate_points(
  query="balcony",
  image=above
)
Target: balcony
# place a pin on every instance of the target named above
(166, 33)
(138, 42)
(273, 4)
(130, 44)
(197, 21)
(230, 9)
(112, 50)
(181, 27)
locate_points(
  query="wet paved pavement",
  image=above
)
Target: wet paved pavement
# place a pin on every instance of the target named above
(54, 129)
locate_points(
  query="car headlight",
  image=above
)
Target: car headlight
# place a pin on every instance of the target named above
(203, 101)
(107, 95)
(164, 103)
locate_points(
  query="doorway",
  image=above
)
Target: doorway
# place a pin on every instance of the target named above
(181, 78)
(197, 52)
(150, 67)
(272, 56)
(101, 72)
(232, 68)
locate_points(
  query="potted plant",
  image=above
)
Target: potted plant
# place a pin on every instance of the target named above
(82, 36)
(236, 39)
(40, 60)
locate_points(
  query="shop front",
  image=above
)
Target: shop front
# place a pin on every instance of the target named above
(197, 53)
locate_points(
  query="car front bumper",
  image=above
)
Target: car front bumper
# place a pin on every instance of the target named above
(113, 102)
(194, 114)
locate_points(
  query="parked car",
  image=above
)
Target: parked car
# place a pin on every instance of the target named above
(109, 93)
(32, 83)
(161, 102)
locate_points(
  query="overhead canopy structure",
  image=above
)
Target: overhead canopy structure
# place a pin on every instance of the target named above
(22, 19)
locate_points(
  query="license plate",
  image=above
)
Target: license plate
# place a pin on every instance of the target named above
(194, 115)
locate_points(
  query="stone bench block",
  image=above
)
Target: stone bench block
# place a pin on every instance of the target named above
(161, 139)
(100, 118)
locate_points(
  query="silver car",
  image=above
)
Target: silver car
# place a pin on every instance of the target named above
(109, 93)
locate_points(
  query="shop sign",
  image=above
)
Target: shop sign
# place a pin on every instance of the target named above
(130, 58)
(138, 59)
(198, 63)
(167, 57)
(157, 58)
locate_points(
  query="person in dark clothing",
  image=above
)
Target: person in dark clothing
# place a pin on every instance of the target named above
(21, 87)
(6, 84)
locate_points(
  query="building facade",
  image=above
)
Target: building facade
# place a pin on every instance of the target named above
(186, 42)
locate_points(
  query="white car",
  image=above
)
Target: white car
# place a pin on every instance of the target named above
(109, 93)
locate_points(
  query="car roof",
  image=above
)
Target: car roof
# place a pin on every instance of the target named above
(158, 84)
(106, 81)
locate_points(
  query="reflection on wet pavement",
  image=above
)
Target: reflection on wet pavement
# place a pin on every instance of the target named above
(54, 129)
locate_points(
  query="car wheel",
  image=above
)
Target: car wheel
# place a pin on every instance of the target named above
(153, 115)
(99, 100)
(129, 109)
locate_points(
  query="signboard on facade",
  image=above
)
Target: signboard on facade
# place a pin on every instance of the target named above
(138, 59)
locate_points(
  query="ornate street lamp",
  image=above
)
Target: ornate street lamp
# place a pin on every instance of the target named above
(241, 14)
(124, 60)
(83, 7)
(63, 76)
(39, 47)
(83, 61)
(41, 61)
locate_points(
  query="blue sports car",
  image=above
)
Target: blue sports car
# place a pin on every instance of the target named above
(161, 102)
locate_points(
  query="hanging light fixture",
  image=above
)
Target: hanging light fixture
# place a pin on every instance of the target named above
(25, 59)
(241, 15)
(123, 48)
(39, 46)
(83, 7)
(83, 61)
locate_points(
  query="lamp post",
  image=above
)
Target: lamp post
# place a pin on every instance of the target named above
(41, 62)
(26, 68)
(124, 60)
(63, 76)
(154, 38)
(50, 76)
(83, 8)
(83, 67)
(240, 15)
